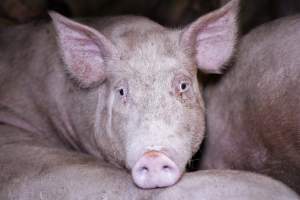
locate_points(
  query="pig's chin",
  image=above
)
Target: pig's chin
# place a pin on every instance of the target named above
(155, 170)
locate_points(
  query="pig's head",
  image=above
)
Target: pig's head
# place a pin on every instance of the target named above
(150, 112)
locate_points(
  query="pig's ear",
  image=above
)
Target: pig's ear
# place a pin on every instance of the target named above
(84, 50)
(212, 38)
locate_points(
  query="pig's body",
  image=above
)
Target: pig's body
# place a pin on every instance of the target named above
(73, 139)
(253, 112)
(41, 116)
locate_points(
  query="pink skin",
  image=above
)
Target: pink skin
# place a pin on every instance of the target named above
(154, 170)
(149, 64)
(61, 140)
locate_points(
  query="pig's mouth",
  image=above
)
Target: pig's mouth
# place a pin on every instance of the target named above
(155, 170)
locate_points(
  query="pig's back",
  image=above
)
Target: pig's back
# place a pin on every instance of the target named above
(253, 113)
(20, 48)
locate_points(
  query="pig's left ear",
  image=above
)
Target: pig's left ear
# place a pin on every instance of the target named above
(84, 50)
(212, 38)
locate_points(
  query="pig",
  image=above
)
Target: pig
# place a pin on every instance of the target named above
(22, 11)
(257, 12)
(104, 108)
(253, 111)
(226, 185)
(121, 89)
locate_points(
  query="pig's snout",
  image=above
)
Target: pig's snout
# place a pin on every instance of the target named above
(154, 169)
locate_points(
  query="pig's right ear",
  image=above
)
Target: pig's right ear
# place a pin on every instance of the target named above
(84, 50)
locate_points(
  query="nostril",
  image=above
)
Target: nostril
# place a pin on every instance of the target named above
(166, 168)
(155, 169)
(144, 169)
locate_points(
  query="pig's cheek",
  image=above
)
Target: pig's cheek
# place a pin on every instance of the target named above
(118, 132)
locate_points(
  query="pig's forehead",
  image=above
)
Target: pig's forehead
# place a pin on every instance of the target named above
(145, 47)
(151, 52)
(154, 41)
(152, 75)
(128, 32)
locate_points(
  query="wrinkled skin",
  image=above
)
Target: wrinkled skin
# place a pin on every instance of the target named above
(253, 112)
(80, 106)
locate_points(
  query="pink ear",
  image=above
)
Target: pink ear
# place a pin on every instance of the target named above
(213, 37)
(84, 50)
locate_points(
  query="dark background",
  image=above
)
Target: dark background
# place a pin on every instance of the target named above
(171, 13)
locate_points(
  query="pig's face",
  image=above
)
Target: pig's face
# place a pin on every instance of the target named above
(153, 108)
(155, 97)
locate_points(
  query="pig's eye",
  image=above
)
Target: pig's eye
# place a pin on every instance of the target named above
(183, 86)
(121, 92)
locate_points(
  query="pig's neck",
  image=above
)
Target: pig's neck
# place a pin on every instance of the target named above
(82, 117)
(86, 116)
(41, 101)
(73, 114)
(106, 140)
